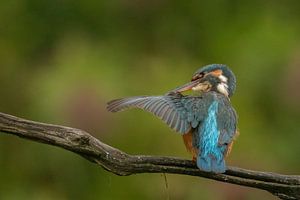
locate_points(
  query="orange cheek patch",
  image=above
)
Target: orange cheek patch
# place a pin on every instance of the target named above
(217, 72)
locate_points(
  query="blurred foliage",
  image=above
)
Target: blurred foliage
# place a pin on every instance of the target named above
(61, 61)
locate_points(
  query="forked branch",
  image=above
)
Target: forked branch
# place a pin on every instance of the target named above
(120, 163)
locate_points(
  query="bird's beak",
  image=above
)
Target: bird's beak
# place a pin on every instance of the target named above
(186, 87)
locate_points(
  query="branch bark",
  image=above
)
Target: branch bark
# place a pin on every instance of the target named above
(118, 162)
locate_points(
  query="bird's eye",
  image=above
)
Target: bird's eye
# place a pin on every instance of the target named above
(198, 76)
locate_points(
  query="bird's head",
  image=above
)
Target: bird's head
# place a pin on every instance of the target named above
(214, 77)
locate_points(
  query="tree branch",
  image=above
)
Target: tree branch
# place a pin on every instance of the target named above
(120, 163)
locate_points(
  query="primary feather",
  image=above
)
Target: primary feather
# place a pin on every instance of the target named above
(168, 108)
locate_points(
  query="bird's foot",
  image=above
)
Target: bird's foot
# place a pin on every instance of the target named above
(194, 158)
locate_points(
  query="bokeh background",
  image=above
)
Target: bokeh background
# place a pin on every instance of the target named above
(61, 61)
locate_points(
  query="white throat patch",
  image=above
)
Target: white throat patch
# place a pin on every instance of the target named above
(223, 78)
(223, 87)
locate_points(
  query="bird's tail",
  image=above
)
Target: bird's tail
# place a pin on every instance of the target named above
(211, 163)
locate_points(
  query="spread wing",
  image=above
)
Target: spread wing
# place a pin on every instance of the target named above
(179, 112)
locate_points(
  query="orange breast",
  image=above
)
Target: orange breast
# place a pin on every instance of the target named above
(188, 141)
(229, 147)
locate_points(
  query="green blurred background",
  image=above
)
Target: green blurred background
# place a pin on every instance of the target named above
(61, 61)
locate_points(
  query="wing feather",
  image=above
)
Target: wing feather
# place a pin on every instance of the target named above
(182, 113)
(170, 108)
(227, 122)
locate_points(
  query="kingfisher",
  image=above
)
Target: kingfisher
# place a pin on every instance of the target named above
(205, 119)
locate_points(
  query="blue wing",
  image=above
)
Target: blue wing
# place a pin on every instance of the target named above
(227, 122)
(179, 112)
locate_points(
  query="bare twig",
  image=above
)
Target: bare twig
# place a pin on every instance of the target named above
(120, 163)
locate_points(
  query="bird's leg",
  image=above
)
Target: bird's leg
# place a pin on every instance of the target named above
(194, 158)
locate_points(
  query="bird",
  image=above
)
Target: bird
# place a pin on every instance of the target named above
(205, 119)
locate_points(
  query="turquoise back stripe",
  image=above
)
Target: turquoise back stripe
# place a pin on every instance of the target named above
(211, 156)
